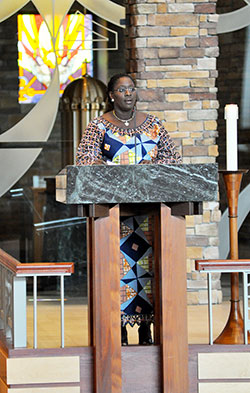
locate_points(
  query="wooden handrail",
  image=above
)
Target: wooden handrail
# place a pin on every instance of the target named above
(222, 264)
(45, 268)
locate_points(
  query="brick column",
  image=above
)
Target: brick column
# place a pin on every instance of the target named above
(171, 52)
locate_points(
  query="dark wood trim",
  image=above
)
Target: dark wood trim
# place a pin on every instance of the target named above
(129, 209)
(93, 210)
(45, 268)
(44, 352)
(185, 208)
(19, 268)
(222, 264)
(8, 261)
(98, 210)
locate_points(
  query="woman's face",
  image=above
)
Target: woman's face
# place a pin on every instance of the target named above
(124, 94)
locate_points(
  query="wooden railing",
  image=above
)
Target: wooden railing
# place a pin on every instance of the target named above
(222, 265)
(13, 316)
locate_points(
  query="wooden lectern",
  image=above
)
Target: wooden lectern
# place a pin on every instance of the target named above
(104, 194)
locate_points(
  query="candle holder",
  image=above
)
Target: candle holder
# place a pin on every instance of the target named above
(233, 332)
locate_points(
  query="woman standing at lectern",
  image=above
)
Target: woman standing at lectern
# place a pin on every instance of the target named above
(124, 135)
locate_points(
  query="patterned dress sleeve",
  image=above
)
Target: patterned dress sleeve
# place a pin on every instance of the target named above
(167, 153)
(89, 149)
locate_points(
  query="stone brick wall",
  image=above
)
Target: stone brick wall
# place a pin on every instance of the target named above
(171, 52)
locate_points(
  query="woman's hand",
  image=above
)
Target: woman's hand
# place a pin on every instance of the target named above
(99, 162)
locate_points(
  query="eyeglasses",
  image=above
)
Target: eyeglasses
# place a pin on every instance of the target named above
(124, 89)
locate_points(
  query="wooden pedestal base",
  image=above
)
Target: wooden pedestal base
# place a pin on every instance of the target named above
(170, 301)
(233, 332)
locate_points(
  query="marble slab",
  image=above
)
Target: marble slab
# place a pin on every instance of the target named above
(102, 184)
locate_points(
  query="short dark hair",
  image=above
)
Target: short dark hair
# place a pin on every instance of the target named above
(115, 78)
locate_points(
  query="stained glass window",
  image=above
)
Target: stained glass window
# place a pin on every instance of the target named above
(37, 57)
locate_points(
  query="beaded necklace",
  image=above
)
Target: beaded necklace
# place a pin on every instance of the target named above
(126, 122)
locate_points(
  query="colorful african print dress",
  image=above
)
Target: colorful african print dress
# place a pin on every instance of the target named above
(149, 141)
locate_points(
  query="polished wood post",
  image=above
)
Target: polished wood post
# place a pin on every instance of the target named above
(173, 294)
(104, 234)
(90, 263)
(233, 332)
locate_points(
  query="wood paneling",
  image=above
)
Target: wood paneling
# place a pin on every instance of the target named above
(141, 369)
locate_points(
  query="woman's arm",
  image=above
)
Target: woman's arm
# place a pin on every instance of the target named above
(89, 150)
(167, 153)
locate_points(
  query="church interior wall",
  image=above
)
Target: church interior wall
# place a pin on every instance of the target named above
(160, 46)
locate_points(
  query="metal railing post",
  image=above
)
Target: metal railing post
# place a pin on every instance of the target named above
(35, 311)
(62, 310)
(210, 310)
